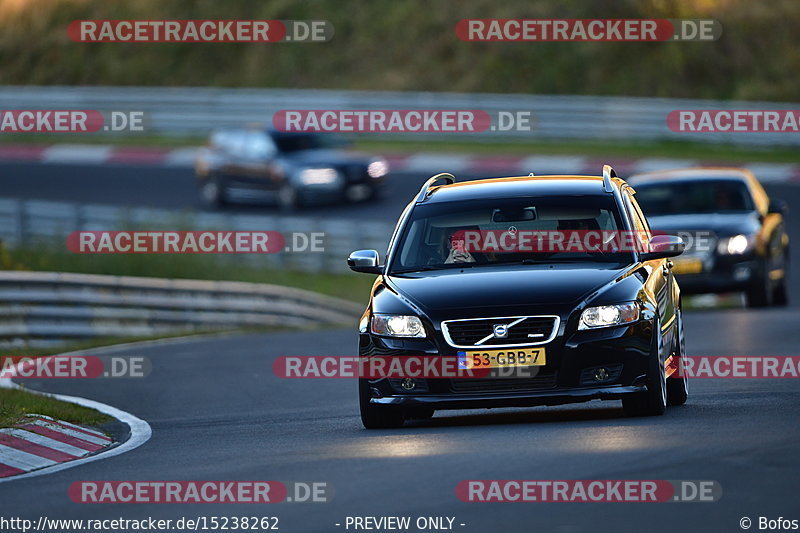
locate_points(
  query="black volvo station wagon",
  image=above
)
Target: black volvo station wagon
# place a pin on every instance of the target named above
(592, 323)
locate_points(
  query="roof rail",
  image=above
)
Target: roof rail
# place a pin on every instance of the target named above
(428, 188)
(608, 173)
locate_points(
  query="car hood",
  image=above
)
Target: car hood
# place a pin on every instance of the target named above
(327, 157)
(484, 288)
(722, 224)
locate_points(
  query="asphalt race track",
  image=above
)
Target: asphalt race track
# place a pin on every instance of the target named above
(174, 188)
(218, 413)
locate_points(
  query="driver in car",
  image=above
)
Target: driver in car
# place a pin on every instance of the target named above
(457, 251)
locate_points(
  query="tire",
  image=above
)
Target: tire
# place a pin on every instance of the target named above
(678, 386)
(377, 416)
(214, 193)
(652, 402)
(780, 294)
(760, 294)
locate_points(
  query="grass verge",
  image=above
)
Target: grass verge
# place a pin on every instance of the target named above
(15, 404)
(623, 149)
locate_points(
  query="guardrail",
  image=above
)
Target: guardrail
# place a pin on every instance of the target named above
(195, 111)
(33, 222)
(46, 308)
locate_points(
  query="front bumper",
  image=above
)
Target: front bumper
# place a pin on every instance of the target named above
(569, 375)
(727, 274)
(519, 399)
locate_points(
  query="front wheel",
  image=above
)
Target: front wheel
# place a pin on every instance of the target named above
(780, 295)
(214, 193)
(759, 294)
(652, 402)
(374, 416)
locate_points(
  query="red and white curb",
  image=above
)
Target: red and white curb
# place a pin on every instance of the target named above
(42, 445)
(40, 441)
(424, 163)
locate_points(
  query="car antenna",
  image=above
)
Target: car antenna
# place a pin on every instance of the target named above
(428, 188)
(608, 173)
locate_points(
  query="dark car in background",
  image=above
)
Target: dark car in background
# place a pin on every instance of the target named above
(290, 169)
(593, 325)
(742, 242)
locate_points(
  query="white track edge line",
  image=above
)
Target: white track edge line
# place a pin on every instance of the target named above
(140, 433)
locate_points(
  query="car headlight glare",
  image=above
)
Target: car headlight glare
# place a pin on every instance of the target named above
(319, 176)
(736, 245)
(378, 169)
(609, 315)
(397, 326)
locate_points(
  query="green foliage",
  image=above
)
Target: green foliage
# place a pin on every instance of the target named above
(411, 45)
(16, 403)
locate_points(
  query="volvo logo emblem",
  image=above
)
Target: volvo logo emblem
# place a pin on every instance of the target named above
(500, 331)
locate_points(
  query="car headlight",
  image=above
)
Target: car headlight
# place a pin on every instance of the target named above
(736, 245)
(609, 315)
(318, 176)
(378, 169)
(397, 326)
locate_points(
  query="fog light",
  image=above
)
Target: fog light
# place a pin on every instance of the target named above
(408, 384)
(601, 374)
(358, 193)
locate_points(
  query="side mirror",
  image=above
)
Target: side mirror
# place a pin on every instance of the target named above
(367, 261)
(778, 206)
(663, 246)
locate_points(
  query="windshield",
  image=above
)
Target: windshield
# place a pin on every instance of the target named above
(701, 196)
(466, 234)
